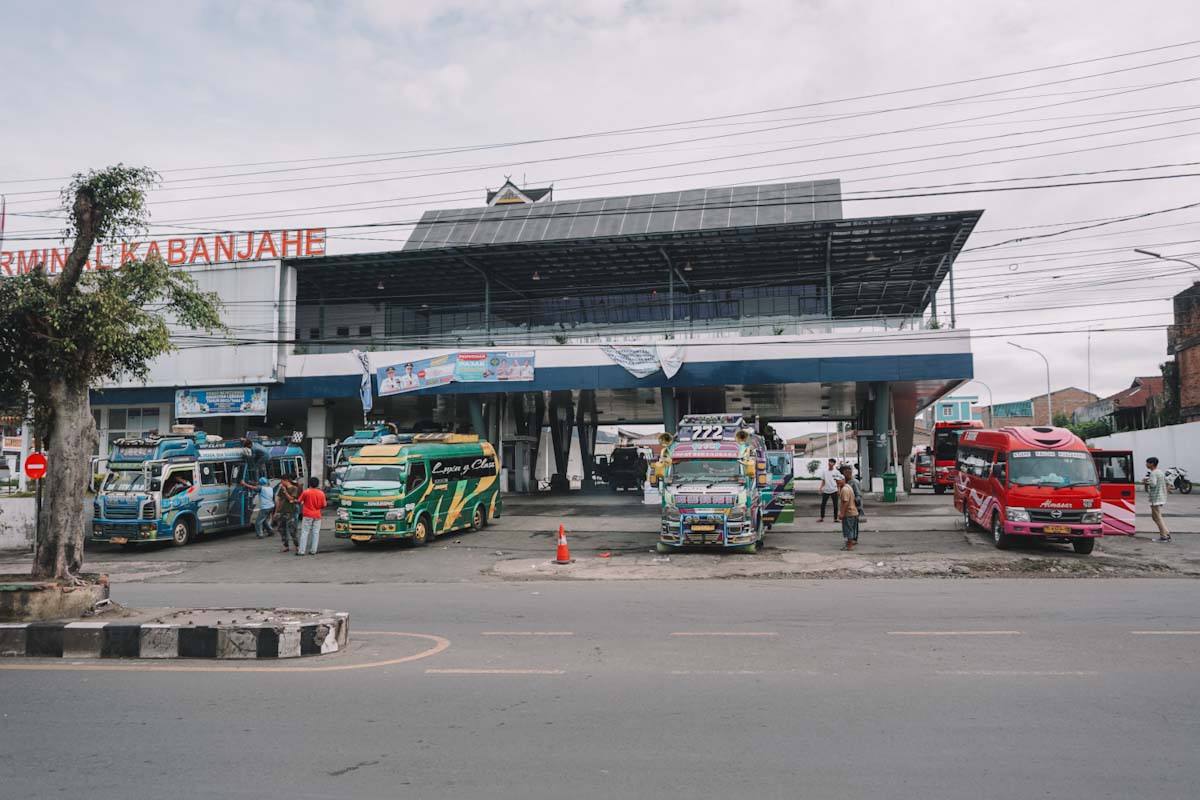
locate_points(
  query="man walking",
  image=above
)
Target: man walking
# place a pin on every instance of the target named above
(312, 500)
(286, 503)
(829, 488)
(849, 513)
(1157, 488)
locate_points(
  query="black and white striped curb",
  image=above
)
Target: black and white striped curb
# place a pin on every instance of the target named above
(324, 632)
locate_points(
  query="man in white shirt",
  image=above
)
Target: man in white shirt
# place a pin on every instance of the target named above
(408, 380)
(829, 489)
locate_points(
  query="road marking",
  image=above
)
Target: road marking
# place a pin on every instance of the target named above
(744, 672)
(440, 644)
(1020, 673)
(527, 633)
(495, 672)
(1165, 633)
(725, 633)
(954, 633)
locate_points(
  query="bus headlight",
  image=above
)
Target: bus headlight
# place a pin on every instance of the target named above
(395, 514)
(1017, 514)
(736, 514)
(1093, 517)
(343, 514)
(672, 514)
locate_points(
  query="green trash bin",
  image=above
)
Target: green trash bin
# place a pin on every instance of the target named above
(889, 487)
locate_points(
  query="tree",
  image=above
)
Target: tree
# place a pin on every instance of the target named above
(1084, 430)
(62, 334)
(813, 466)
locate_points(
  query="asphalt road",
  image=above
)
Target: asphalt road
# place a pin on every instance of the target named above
(697, 689)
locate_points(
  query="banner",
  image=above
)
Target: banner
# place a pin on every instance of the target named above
(364, 386)
(232, 402)
(481, 366)
(642, 362)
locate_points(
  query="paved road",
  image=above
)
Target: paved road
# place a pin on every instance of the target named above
(840, 689)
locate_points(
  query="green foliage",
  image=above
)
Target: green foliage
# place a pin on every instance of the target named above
(813, 466)
(1084, 430)
(111, 323)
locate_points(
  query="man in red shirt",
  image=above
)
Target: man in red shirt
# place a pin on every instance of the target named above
(312, 500)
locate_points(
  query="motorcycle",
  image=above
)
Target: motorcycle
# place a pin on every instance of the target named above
(1179, 479)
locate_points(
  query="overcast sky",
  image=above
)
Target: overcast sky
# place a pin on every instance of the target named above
(363, 84)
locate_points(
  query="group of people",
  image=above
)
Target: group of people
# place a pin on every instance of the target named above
(839, 484)
(288, 509)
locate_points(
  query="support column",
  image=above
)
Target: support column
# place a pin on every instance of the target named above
(537, 419)
(26, 435)
(881, 450)
(320, 428)
(587, 423)
(670, 410)
(561, 413)
(475, 407)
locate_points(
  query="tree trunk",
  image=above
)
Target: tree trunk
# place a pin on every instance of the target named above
(63, 519)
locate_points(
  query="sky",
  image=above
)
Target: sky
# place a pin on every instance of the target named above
(374, 111)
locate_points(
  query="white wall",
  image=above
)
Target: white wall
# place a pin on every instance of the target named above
(16, 523)
(1173, 446)
(255, 297)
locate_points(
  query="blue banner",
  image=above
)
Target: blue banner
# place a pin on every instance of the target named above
(480, 366)
(232, 402)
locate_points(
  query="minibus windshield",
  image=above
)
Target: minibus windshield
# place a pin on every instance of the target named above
(1050, 468)
(708, 470)
(124, 480)
(375, 473)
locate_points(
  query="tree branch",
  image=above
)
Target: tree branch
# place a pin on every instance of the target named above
(86, 220)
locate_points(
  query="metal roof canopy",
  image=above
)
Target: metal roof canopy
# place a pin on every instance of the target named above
(877, 266)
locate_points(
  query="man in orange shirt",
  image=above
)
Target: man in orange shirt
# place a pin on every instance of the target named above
(312, 500)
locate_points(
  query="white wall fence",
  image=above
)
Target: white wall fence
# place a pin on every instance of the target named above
(1173, 446)
(17, 523)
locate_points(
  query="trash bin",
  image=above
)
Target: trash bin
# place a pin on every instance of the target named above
(889, 487)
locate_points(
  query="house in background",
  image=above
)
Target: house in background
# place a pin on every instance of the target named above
(955, 408)
(1023, 413)
(1132, 409)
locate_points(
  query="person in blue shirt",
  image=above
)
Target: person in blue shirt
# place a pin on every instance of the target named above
(266, 507)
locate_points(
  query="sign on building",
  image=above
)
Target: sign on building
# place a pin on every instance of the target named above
(247, 401)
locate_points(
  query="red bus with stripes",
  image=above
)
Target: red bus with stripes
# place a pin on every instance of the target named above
(945, 451)
(1026, 483)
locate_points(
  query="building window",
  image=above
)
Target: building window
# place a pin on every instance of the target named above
(132, 422)
(343, 332)
(364, 330)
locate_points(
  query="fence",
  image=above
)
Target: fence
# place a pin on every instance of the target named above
(1173, 446)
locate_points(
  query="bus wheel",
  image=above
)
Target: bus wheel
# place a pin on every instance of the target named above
(478, 519)
(748, 549)
(181, 534)
(1003, 540)
(420, 536)
(662, 548)
(1083, 546)
(939, 489)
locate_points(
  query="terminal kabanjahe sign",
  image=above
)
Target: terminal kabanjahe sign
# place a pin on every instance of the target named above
(212, 248)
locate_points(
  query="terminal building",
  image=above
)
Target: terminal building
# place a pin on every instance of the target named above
(528, 313)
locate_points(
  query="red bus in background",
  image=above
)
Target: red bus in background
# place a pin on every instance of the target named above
(1118, 489)
(923, 469)
(1025, 483)
(945, 451)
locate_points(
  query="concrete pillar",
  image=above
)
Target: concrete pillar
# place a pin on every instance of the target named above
(26, 435)
(670, 410)
(905, 405)
(881, 448)
(475, 407)
(320, 429)
(587, 425)
(561, 416)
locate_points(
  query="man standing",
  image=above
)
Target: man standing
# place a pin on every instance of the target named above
(854, 484)
(1157, 488)
(312, 500)
(266, 506)
(286, 500)
(257, 455)
(845, 498)
(829, 488)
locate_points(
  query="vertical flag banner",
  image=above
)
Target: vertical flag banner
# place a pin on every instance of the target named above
(364, 386)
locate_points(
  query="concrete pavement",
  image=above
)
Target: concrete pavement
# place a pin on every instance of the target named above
(846, 689)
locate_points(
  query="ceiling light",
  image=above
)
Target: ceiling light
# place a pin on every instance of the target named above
(687, 267)
(536, 277)
(379, 286)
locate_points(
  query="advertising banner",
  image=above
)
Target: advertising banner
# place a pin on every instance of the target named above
(364, 384)
(671, 358)
(241, 401)
(481, 366)
(644, 361)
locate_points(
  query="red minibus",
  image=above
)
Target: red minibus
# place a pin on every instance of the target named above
(1118, 490)
(1029, 482)
(945, 445)
(923, 469)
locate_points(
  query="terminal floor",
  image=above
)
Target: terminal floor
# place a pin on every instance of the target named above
(922, 525)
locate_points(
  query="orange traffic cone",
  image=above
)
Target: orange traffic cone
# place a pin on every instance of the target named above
(564, 555)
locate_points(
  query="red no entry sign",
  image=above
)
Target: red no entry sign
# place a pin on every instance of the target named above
(35, 465)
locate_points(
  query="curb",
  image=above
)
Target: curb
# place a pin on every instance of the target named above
(262, 640)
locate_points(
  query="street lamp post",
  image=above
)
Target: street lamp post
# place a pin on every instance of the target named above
(1161, 257)
(1049, 406)
(989, 405)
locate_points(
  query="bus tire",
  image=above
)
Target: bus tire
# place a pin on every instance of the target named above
(662, 548)
(1083, 546)
(181, 532)
(421, 533)
(1001, 539)
(478, 519)
(748, 549)
(939, 489)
